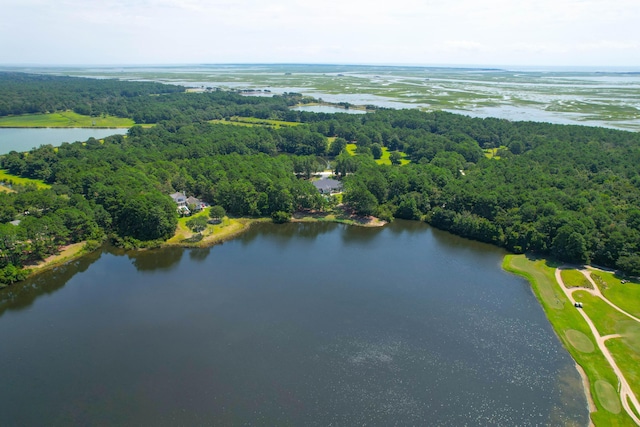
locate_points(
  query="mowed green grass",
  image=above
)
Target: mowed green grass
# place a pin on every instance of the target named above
(624, 295)
(608, 396)
(605, 317)
(575, 279)
(254, 121)
(384, 159)
(65, 119)
(573, 331)
(492, 153)
(580, 341)
(7, 177)
(628, 361)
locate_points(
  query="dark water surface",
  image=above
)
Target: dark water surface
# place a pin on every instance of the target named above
(24, 139)
(297, 324)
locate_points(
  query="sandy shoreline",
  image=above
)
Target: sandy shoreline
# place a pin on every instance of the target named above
(587, 391)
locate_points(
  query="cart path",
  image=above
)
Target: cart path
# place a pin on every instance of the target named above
(598, 293)
(626, 394)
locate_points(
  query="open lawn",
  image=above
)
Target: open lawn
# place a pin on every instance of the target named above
(492, 153)
(66, 119)
(605, 317)
(624, 295)
(254, 121)
(628, 359)
(575, 334)
(214, 233)
(384, 159)
(575, 279)
(8, 179)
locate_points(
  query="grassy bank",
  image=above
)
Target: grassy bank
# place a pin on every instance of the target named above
(575, 335)
(625, 295)
(337, 215)
(227, 229)
(65, 119)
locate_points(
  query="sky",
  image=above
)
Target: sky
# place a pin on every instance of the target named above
(600, 33)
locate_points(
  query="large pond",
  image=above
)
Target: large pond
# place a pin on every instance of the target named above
(24, 139)
(297, 324)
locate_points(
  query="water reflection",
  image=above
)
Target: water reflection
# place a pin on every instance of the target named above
(22, 295)
(283, 233)
(156, 259)
(300, 327)
(199, 254)
(352, 235)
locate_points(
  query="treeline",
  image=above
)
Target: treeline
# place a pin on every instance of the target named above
(33, 93)
(144, 102)
(47, 221)
(124, 183)
(569, 191)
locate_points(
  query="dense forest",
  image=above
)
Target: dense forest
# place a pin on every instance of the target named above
(569, 191)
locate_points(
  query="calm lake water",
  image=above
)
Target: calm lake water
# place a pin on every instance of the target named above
(24, 139)
(296, 324)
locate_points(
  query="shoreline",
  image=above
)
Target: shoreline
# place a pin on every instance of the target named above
(592, 366)
(74, 251)
(66, 254)
(534, 285)
(586, 385)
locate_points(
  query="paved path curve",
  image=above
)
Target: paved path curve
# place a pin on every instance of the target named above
(596, 292)
(626, 394)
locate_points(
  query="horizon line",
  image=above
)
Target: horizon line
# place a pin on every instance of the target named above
(486, 67)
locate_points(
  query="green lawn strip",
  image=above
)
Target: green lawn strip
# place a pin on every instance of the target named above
(633, 408)
(542, 274)
(254, 121)
(628, 360)
(604, 316)
(624, 295)
(575, 279)
(227, 122)
(266, 122)
(65, 119)
(564, 317)
(7, 178)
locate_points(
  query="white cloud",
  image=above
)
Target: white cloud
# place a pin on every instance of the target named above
(374, 31)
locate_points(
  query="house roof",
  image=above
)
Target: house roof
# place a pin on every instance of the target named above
(176, 196)
(193, 201)
(327, 184)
